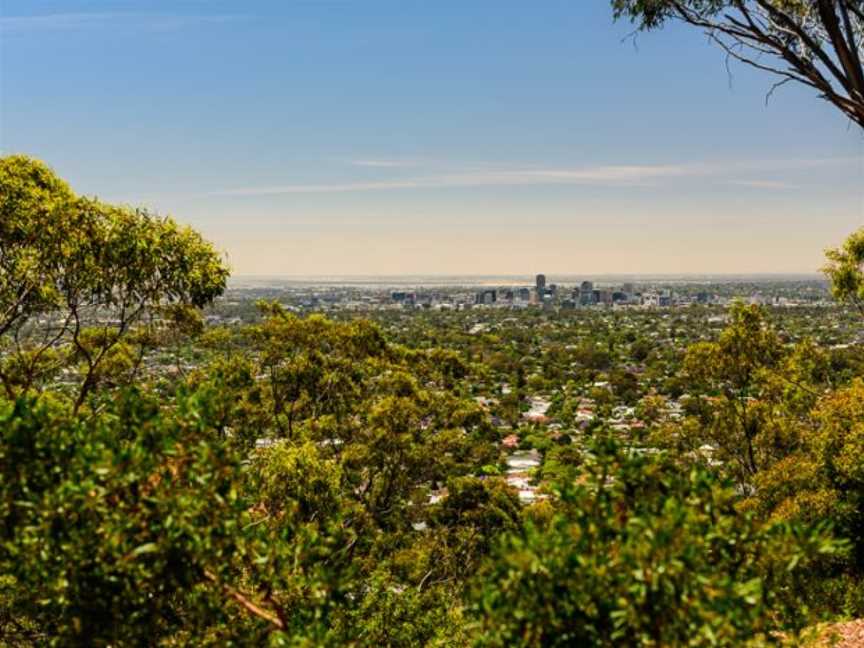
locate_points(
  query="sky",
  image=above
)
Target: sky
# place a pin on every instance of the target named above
(381, 137)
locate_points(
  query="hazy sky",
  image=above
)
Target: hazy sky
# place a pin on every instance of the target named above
(429, 136)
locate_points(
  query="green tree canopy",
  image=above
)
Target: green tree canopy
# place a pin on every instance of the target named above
(78, 275)
(844, 270)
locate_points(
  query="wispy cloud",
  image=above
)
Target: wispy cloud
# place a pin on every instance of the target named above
(762, 184)
(318, 188)
(790, 164)
(600, 175)
(621, 175)
(92, 20)
(377, 163)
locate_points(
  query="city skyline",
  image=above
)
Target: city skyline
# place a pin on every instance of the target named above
(408, 139)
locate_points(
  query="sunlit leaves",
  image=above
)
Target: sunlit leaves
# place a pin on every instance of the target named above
(844, 270)
(77, 275)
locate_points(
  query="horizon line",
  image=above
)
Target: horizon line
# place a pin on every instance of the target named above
(521, 275)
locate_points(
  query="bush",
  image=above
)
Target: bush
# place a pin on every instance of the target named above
(643, 554)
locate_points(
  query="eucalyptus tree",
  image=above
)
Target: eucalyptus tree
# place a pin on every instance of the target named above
(637, 552)
(844, 269)
(816, 43)
(79, 277)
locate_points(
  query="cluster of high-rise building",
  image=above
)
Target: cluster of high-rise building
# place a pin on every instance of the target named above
(545, 294)
(542, 291)
(508, 296)
(443, 295)
(404, 298)
(584, 294)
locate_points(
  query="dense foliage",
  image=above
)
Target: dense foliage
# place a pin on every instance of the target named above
(307, 481)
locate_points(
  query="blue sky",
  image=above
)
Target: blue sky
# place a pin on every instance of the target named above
(406, 136)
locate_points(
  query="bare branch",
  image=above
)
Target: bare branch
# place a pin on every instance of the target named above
(270, 617)
(817, 43)
(774, 87)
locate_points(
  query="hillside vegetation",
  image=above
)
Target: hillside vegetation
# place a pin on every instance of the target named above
(305, 481)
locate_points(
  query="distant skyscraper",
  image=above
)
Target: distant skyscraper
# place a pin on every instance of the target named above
(586, 293)
(540, 287)
(603, 296)
(486, 297)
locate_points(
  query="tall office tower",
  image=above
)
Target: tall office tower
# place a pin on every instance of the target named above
(541, 284)
(486, 297)
(586, 293)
